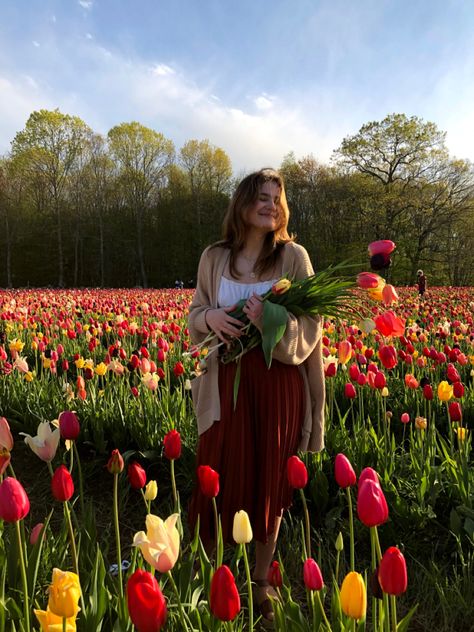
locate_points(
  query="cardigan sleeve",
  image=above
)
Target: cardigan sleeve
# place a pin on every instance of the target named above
(201, 302)
(302, 332)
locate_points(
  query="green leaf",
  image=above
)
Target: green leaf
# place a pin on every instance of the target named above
(403, 624)
(236, 383)
(275, 318)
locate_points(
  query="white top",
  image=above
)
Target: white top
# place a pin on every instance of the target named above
(230, 292)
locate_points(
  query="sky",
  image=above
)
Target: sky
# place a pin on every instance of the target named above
(257, 78)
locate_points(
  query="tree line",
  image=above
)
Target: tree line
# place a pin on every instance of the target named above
(129, 209)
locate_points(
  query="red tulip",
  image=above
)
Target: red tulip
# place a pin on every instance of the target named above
(312, 576)
(372, 507)
(393, 572)
(452, 374)
(458, 389)
(455, 411)
(115, 463)
(349, 391)
(379, 380)
(136, 475)
(368, 280)
(274, 577)
(62, 485)
(6, 439)
(368, 473)
(35, 532)
(146, 604)
(381, 247)
(69, 425)
(354, 372)
(428, 392)
(390, 325)
(297, 472)
(178, 369)
(208, 481)
(224, 599)
(14, 503)
(330, 370)
(343, 471)
(362, 379)
(172, 445)
(344, 351)
(405, 418)
(388, 356)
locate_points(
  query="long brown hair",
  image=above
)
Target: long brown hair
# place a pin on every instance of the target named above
(234, 229)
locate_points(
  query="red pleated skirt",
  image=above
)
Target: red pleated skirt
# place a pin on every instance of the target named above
(249, 447)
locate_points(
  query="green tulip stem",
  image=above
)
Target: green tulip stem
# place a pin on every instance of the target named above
(338, 555)
(180, 605)
(64, 624)
(79, 472)
(393, 604)
(249, 584)
(307, 530)
(50, 468)
(216, 530)
(173, 483)
(373, 567)
(385, 596)
(321, 607)
(117, 535)
(26, 605)
(75, 561)
(351, 528)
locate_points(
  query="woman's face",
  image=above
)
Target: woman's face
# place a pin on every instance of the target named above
(264, 214)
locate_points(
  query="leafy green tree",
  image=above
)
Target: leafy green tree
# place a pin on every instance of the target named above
(143, 157)
(51, 146)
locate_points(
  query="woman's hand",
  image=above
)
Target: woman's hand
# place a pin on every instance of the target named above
(223, 325)
(253, 309)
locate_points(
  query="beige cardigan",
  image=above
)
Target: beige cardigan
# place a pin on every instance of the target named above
(300, 345)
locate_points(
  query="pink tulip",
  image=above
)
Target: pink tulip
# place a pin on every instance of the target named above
(389, 295)
(381, 247)
(6, 439)
(368, 280)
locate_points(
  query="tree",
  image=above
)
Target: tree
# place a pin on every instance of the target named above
(143, 157)
(50, 147)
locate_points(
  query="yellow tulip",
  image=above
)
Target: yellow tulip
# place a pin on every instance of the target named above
(101, 369)
(384, 392)
(353, 596)
(242, 529)
(445, 391)
(160, 544)
(64, 594)
(151, 490)
(281, 286)
(79, 363)
(421, 423)
(51, 622)
(462, 433)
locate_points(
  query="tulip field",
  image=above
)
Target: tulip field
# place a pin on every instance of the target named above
(97, 445)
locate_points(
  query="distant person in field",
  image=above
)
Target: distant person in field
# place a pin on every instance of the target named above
(421, 282)
(279, 410)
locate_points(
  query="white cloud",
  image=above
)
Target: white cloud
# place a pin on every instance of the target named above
(263, 102)
(89, 36)
(86, 4)
(36, 44)
(162, 70)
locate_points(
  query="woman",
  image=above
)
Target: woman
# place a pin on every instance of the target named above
(278, 410)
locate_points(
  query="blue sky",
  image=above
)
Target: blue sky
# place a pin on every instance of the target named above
(257, 78)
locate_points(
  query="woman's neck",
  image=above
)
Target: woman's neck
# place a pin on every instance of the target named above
(253, 245)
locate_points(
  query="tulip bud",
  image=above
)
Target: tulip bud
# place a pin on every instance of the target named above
(372, 507)
(428, 392)
(405, 418)
(281, 286)
(115, 463)
(455, 411)
(6, 439)
(178, 369)
(343, 471)
(224, 598)
(62, 485)
(353, 596)
(136, 475)
(69, 425)
(242, 529)
(393, 572)
(274, 575)
(151, 490)
(349, 391)
(172, 445)
(339, 544)
(312, 576)
(35, 532)
(297, 473)
(14, 503)
(146, 604)
(458, 390)
(208, 481)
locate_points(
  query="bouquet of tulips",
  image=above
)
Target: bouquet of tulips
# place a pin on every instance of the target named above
(323, 294)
